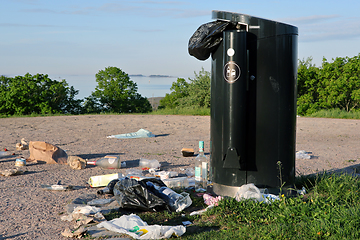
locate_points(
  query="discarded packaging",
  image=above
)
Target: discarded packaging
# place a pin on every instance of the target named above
(141, 133)
(187, 152)
(23, 145)
(20, 162)
(99, 202)
(190, 172)
(250, 191)
(210, 200)
(302, 155)
(57, 187)
(103, 180)
(135, 227)
(12, 172)
(179, 182)
(76, 162)
(47, 152)
(149, 163)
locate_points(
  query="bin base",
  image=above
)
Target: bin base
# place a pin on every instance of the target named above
(224, 190)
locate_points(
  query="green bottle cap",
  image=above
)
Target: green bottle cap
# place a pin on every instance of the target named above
(201, 145)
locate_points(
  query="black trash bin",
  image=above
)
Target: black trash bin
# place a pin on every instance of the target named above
(253, 103)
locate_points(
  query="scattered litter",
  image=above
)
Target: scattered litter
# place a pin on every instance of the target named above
(179, 182)
(302, 155)
(187, 152)
(57, 187)
(141, 133)
(210, 200)
(186, 223)
(109, 162)
(99, 202)
(190, 172)
(149, 163)
(81, 216)
(103, 180)
(133, 194)
(109, 189)
(74, 233)
(20, 162)
(23, 145)
(43, 151)
(201, 211)
(12, 172)
(250, 191)
(302, 191)
(5, 153)
(76, 162)
(135, 227)
(176, 202)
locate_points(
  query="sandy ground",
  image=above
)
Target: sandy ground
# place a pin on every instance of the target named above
(27, 211)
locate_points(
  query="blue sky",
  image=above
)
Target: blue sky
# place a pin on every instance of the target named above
(81, 37)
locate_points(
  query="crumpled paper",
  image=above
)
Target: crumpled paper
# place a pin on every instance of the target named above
(133, 226)
(12, 172)
(76, 162)
(81, 216)
(141, 133)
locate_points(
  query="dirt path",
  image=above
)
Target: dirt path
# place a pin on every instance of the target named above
(29, 212)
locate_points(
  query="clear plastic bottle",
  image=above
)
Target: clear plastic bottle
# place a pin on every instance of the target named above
(109, 161)
(177, 202)
(201, 168)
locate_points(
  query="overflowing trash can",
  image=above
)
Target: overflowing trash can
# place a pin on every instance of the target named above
(253, 100)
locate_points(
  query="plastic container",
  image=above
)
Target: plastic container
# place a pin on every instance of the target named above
(20, 162)
(149, 163)
(179, 182)
(103, 180)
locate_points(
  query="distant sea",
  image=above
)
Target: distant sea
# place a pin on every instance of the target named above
(148, 86)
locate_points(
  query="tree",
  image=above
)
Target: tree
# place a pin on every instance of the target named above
(115, 92)
(196, 92)
(340, 83)
(308, 84)
(37, 94)
(179, 90)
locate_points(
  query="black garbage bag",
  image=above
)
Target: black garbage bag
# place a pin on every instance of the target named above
(206, 39)
(133, 194)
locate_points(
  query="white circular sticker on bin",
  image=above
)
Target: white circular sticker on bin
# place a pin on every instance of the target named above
(231, 72)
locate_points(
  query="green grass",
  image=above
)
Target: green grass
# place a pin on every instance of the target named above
(336, 113)
(329, 210)
(194, 111)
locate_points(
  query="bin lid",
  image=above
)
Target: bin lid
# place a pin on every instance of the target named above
(261, 27)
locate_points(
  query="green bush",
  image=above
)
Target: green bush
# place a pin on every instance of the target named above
(37, 94)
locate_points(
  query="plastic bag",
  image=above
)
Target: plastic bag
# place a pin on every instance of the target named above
(248, 191)
(133, 194)
(206, 39)
(141, 133)
(135, 227)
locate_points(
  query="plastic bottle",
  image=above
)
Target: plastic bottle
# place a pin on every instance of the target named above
(109, 161)
(149, 163)
(177, 202)
(201, 168)
(4, 153)
(109, 189)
